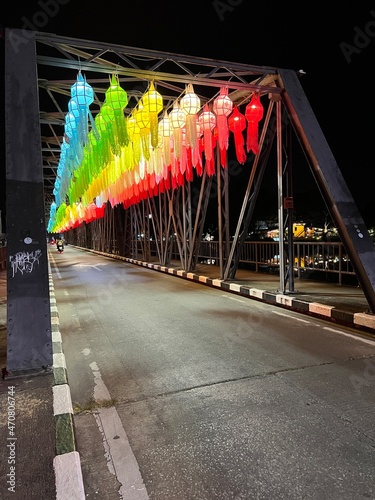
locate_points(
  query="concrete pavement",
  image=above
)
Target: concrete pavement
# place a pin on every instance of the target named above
(37, 424)
(48, 463)
(346, 305)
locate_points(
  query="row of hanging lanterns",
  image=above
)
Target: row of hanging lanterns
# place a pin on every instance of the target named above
(125, 159)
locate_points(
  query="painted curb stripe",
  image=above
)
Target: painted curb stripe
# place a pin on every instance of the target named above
(69, 483)
(62, 402)
(269, 297)
(60, 375)
(56, 347)
(67, 464)
(59, 360)
(363, 319)
(300, 305)
(65, 442)
(320, 309)
(342, 316)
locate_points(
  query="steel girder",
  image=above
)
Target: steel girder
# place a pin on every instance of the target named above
(63, 57)
(343, 210)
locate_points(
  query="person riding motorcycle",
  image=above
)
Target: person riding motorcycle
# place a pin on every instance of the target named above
(60, 245)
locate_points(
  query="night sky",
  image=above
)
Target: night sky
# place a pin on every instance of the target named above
(335, 48)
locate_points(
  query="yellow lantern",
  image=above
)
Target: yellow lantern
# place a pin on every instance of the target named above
(153, 103)
(142, 119)
(135, 139)
(190, 105)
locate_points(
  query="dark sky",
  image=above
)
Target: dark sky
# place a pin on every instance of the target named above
(335, 47)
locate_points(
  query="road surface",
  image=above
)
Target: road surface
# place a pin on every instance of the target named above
(184, 392)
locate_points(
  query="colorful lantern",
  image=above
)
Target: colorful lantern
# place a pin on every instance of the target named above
(177, 119)
(74, 108)
(117, 99)
(165, 132)
(104, 143)
(207, 120)
(135, 139)
(190, 105)
(82, 93)
(75, 149)
(236, 124)
(108, 115)
(253, 113)
(223, 107)
(142, 118)
(95, 154)
(153, 103)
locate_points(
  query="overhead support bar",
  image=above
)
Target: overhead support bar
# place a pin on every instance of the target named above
(153, 75)
(70, 44)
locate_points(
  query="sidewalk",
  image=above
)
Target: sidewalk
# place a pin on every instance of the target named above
(37, 424)
(48, 465)
(27, 427)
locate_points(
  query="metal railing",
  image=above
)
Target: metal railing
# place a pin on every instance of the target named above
(310, 257)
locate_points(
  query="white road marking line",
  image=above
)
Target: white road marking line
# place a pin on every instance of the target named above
(291, 317)
(233, 298)
(121, 461)
(366, 341)
(75, 321)
(334, 330)
(95, 266)
(56, 270)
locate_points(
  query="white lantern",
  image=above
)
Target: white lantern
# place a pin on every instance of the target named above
(190, 105)
(207, 120)
(177, 120)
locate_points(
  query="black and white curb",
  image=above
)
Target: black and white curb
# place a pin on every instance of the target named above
(67, 463)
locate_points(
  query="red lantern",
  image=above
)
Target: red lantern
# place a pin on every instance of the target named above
(253, 113)
(237, 124)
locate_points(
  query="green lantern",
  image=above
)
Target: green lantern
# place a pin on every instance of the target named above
(117, 99)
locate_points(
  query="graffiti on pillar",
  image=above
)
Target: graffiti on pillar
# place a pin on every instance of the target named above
(24, 262)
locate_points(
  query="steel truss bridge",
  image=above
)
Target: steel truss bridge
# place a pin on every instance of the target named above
(40, 69)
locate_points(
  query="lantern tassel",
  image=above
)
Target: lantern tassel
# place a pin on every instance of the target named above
(252, 137)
